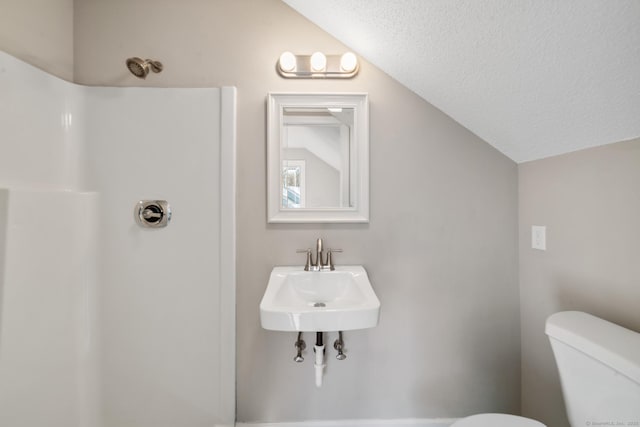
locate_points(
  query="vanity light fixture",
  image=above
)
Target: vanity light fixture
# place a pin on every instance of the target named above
(317, 66)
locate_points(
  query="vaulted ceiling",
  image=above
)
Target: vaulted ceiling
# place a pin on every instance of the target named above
(533, 78)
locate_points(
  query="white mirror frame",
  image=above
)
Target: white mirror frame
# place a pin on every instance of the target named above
(359, 173)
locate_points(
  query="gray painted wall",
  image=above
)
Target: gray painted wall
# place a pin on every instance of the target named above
(590, 202)
(441, 247)
(39, 32)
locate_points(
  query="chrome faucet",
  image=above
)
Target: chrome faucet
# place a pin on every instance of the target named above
(319, 263)
(319, 257)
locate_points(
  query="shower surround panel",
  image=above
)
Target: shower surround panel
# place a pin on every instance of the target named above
(48, 347)
(105, 323)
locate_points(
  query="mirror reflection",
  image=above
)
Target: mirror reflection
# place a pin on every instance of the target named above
(316, 155)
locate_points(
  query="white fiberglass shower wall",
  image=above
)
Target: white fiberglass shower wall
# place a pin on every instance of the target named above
(103, 322)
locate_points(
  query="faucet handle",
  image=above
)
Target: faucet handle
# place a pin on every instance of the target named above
(309, 263)
(330, 258)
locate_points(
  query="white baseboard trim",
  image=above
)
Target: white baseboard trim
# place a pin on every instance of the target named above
(404, 422)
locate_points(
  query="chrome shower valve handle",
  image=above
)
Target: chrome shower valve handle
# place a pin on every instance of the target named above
(152, 213)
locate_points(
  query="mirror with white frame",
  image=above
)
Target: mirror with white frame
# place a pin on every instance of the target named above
(318, 157)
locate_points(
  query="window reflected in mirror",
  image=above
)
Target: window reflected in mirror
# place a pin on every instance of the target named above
(293, 191)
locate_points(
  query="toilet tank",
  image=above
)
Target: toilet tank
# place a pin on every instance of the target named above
(599, 366)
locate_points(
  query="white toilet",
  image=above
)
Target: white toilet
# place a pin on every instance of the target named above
(599, 365)
(496, 420)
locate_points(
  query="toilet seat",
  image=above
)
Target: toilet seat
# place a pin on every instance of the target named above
(496, 420)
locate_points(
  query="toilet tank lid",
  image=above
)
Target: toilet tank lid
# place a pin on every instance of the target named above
(604, 341)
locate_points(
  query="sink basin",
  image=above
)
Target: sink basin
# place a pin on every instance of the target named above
(319, 301)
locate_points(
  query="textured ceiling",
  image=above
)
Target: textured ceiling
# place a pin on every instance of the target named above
(533, 78)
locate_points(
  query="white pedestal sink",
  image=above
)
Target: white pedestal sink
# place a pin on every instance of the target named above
(319, 301)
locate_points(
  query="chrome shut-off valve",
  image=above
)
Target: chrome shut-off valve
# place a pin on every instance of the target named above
(339, 346)
(300, 346)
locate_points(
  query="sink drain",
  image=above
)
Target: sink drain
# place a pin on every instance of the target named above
(319, 304)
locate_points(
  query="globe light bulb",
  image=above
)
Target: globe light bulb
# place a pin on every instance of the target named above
(348, 62)
(318, 61)
(287, 62)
